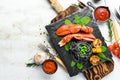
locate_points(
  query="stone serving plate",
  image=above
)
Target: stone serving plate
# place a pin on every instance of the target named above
(64, 55)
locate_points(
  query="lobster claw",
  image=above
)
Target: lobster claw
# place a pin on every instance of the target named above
(72, 29)
(78, 36)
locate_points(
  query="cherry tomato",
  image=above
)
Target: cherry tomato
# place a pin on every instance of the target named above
(110, 47)
(115, 44)
(115, 52)
(118, 55)
(119, 48)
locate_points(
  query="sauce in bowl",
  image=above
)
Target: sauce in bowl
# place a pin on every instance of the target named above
(49, 66)
(102, 14)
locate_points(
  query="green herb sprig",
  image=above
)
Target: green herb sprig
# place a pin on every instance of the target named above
(32, 64)
(109, 23)
(79, 65)
(67, 46)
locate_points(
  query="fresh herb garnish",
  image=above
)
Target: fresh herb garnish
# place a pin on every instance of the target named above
(82, 21)
(83, 49)
(102, 56)
(79, 65)
(67, 21)
(67, 46)
(32, 64)
(85, 20)
(109, 23)
(73, 63)
(103, 48)
(77, 19)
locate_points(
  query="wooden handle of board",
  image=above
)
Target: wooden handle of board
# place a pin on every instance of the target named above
(115, 31)
(60, 62)
(56, 5)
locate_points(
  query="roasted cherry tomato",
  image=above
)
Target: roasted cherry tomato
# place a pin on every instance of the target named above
(115, 44)
(94, 60)
(97, 43)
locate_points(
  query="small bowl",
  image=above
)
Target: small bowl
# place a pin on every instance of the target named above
(49, 66)
(101, 13)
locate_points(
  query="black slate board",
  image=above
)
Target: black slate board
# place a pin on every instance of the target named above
(64, 55)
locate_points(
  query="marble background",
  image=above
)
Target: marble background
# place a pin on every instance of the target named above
(21, 23)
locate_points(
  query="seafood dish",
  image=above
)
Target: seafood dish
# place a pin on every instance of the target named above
(78, 41)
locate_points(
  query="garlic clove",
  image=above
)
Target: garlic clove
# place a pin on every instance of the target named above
(40, 57)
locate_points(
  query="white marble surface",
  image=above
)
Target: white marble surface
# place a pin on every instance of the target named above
(21, 22)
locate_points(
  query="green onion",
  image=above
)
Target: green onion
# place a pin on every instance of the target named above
(83, 49)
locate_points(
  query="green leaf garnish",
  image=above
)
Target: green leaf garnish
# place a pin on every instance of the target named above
(82, 21)
(79, 65)
(85, 20)
(103, 48)
(83, 49)
(73, 63)
(67, 21)
(77, 19)
(102, 56)
(32, 64)
(67, 46)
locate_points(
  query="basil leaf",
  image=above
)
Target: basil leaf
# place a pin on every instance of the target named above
(85, 20)
(77, 19)
(82, 21)
(102, 56)
(103, 48)
(72, 63)
(67, 21)
(79, 65)
(67, 46)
